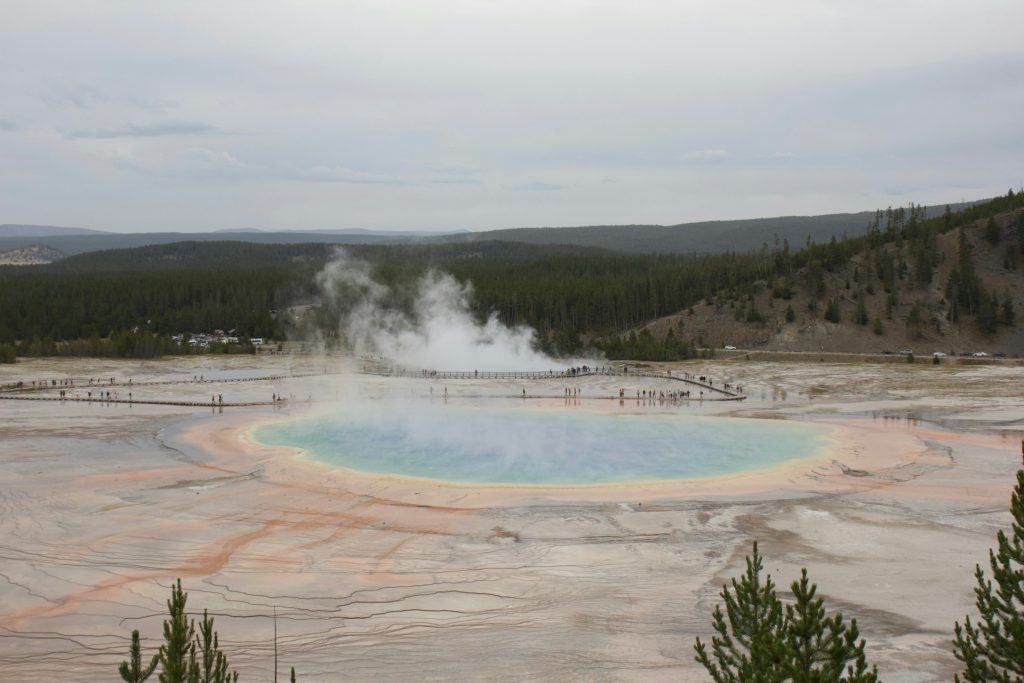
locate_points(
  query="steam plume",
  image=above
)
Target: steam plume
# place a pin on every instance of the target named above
(439, 331)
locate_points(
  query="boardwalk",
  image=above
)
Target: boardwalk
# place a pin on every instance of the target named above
(29, 391)
(533, 375)
(84, 385)
(139, 401)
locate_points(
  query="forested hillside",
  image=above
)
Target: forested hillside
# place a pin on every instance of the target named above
(905, 277)
(560, 290)
(949, 285)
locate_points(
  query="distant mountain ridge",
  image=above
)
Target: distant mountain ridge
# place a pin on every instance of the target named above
(342, 231)
(702, 237)
(72, 244)
(17, 230)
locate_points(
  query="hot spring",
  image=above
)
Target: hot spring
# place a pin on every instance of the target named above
(528, 445)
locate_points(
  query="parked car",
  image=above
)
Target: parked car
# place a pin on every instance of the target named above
(980, 354)
(730, 347)
(999, 354)
(939, 354)
(907, 352)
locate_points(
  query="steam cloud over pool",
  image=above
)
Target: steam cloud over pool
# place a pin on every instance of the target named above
(524, 445)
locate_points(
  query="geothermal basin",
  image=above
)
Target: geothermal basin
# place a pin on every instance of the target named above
(384, 534)
(538, 446)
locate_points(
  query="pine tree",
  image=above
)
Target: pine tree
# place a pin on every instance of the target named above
(749, 645)
(987, 319)
(177, 654)
(822, 649)
(992, 649)
(862, 310)
(964, 285)
(1008, 315)
(132, 671)
(832, 310)
(992, 231)
(213, 664)
(915, 320)
(760, 642)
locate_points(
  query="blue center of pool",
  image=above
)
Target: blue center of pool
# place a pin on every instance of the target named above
(543, 446)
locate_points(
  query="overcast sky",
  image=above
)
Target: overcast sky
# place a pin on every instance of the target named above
(480, 114)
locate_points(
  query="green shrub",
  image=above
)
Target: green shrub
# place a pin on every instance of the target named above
(8, 353)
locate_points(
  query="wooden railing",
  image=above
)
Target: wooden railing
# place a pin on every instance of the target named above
(686, 378)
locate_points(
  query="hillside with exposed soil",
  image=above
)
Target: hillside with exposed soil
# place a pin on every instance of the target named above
(33, 255)
(873, 311)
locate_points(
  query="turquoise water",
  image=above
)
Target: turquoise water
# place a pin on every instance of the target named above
(543, 446)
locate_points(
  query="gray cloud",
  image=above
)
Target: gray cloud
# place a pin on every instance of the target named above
(485, 115)
(706, 156)
(453, 181)
(152, 130)
(538, 186)
(340, 174)
(78, 96)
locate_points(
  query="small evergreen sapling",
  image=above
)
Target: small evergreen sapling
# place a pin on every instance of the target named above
(748, 646)
(820, 648)
(177, 654)
(212, 664)
(133, 671)
(185, 657)
(760, 642)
